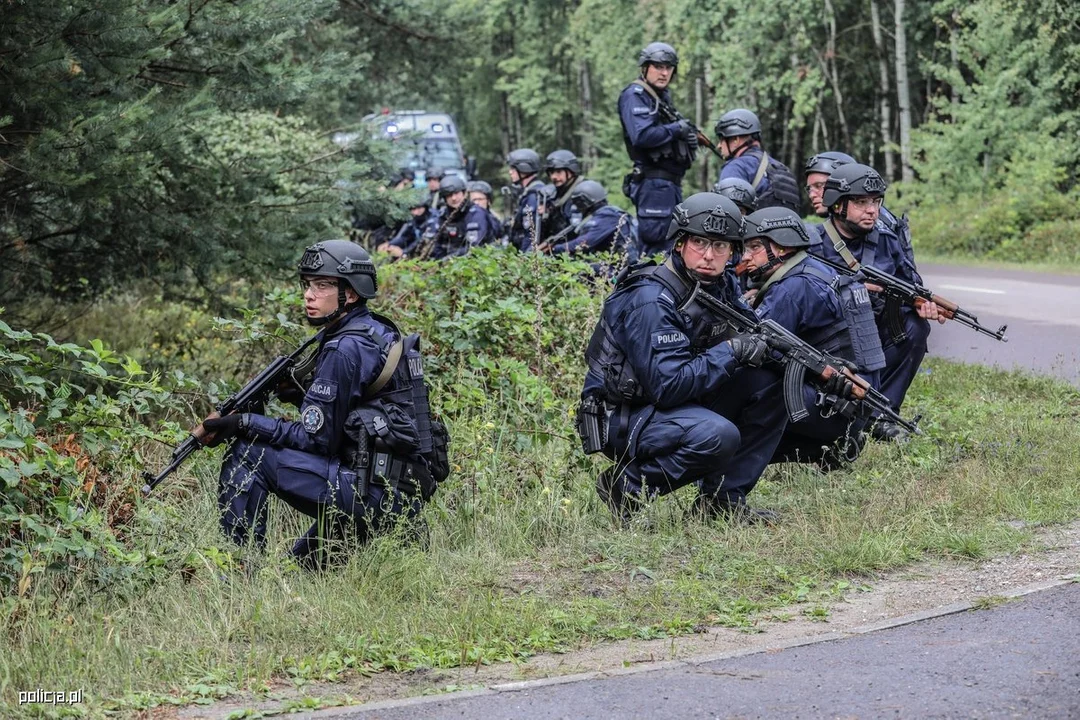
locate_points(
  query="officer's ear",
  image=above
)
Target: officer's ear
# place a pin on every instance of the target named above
(351, 298)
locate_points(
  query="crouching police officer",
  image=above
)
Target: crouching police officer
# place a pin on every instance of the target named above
(830, 312)
(465, 224)
(852, 235)
(356, 457)
(600, 228)
(668, 395)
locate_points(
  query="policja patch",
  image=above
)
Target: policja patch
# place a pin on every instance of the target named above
(313, 419)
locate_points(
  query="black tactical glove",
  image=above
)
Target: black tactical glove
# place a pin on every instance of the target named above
(689, 134)
(840, 386)
(748, 349)
(288, 391)
(219, 429)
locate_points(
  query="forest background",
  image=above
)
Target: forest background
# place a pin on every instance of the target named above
(162, 165)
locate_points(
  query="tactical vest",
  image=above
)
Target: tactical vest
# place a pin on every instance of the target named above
(783, 190)
(396, 442)
(608, 361)
(856, 338)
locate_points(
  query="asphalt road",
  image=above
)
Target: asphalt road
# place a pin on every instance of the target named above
(1042, 312)
(1020, 659)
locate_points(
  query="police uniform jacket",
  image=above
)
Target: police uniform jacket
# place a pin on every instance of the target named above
(676, 359)
(467, 228)
(650, 142)
(411, 235)
(349, 360)
(523, 227)
(597, 233)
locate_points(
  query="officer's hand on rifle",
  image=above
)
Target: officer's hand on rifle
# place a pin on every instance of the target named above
(218, 429)
(689, 134)
(930, 310)
(840, 386)
(748, 349)
(289, 392)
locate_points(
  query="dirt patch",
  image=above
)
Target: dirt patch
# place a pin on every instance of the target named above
(921, 587)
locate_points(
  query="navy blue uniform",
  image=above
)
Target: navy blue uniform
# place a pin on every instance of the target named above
(416, 231)
(301, 462)
(700, 416)
(805, 303)
(778, 187)
(525, 227)
(598, 232)
(882, 249)
(561, 213)
(466, 228)
(658, 153)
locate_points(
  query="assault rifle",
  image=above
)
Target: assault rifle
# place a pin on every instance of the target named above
(670, 115)
(283, 367)
(798, 357)
(900, 292)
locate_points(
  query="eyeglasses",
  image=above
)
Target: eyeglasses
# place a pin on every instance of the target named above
(811, 187)
(319, 287)
(866, 202)
(754, 246)
(701, 245)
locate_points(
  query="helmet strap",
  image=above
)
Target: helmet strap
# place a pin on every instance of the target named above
(341, 309)
(774, 261)
(848, 228)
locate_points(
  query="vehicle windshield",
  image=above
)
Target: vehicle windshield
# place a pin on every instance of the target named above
(421, 154)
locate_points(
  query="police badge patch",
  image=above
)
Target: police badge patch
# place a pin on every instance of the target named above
(313, 419)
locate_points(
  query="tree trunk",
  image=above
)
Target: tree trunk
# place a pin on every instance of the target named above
(903, 95)
(504, 129)
(704, 155)
(954, 58)
(885, 94)
(829, 68)
(588, 149)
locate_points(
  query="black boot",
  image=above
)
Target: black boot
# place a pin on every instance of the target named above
(612, 490)
(710, 507)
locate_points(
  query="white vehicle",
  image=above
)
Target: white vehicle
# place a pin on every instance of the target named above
(424, 139)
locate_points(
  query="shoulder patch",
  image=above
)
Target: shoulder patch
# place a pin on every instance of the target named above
(640, 110)
(313, 419)
(666, 339)
(324, 390)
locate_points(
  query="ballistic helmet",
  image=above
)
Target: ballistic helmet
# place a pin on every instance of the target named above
(707, 215)
(451, 184)
(735, 123)
(524, 160)
(562, 160)
(852, 180)
(658, 53)
(740, 191)
(343, 260)
(480, 186)
(588, 195)
(435, 172)
(826, 162)
(781, 225)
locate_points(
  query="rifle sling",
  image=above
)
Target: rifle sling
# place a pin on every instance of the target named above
(762, 168)
(393, 357)
(840, 246)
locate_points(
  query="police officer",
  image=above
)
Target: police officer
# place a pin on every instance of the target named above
(852, 235)
(419, 229)
(316, 464)
(740, 192)
(817, 171)
(464, 226)
(602, 227)
(481, 194)
(661, 149)
(830, 312)
(685, 403)
(739, 133)
(525, 227)
(564, 171)
(433, 176)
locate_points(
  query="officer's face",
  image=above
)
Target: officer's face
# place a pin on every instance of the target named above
(705, 257)
(321, 295)
(754, 254)
(418, 211)
(455, 199)
(515, 176)
(433, 184)
(658, 75)
(479, 198)
(815, 188)
(862, 212)
(559, 177)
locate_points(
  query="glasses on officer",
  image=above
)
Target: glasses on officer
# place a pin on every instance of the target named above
(702, 245)
(753, 246)
(866, 202)
(818, 186)
(319, 287)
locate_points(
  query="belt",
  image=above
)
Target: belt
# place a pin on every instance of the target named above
(661, 175)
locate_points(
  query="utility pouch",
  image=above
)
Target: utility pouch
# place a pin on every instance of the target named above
(592, 425)
(634, 176)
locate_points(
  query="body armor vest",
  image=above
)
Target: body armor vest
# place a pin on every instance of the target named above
(783, 190)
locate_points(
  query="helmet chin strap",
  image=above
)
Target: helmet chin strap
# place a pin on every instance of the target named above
(759, 274)
(327, 319)
(850, 228)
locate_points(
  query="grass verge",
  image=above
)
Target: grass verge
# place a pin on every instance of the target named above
(523, 559)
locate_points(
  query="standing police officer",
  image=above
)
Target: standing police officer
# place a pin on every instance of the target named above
(852, 235)
(830, 312)
(564, 171)
(318, 464)
(660, 151)
(740, 145)
(687, 404)
(524, 166)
